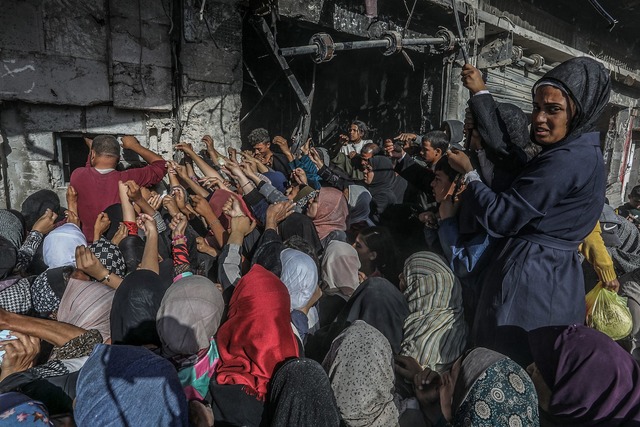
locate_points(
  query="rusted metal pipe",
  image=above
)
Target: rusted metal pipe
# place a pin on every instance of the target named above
(322, 46)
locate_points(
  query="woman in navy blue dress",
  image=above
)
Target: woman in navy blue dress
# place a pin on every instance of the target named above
(535, 278)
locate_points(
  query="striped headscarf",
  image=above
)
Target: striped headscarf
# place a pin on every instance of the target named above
(435, 333)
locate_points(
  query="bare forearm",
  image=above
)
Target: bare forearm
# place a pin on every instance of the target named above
(57, 333)
(150, 255)
(216, 228)
(236, 238)
(197, 188)
(148, 155)
(128, 212)
(145, 207)
(288, 155)
(205, 168)
(173, 180)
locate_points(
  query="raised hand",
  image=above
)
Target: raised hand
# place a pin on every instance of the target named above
(180, 197)
(233, 154)
(208, 142)
(459, 161)
(133, 191)
(128, 142)
(87, 262)
(232, 207)
(242, 224)
(406, 137)
(45, 223)
(278, 212)
(316, 158)
(169, 203)
(300, 176)
(147, 224)
(101, 225)
(20, 354)
(213, 181)
(201, 206)
(121, 233)
(178, 225)
(72, 199)
(203, 246)
(155, 201)
(72, 217)
(472, 79)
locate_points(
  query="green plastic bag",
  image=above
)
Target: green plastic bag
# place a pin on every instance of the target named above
(608, 313)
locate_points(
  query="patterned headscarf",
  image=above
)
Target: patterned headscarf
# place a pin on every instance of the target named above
(11, 228)
(18, 409)
(110, 256)
(301, 395)
(360, 368)
(492, 389)
(435, 333)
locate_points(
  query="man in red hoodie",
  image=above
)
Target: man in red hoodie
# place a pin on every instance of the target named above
(97, 182)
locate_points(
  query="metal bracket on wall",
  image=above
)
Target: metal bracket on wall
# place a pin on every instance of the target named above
(301, 132)
(496, 53)
(501, 52)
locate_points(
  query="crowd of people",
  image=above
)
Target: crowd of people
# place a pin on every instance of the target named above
(429, 280)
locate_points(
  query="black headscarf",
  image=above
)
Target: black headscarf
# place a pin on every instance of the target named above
(508, 145)
(377, 302)
(135, 305)
(587, 83)
(8, 257)
(36, 204)
(383, 185)
(301, 395)
(267, 253)
(301, 225)
(114, 212)
(132, 248)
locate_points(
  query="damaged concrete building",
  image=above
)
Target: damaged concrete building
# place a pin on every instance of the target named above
(174, 70)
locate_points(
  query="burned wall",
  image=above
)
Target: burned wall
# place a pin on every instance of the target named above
(143, 68)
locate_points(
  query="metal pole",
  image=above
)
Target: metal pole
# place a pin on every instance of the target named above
(530, 61)
(360, 44)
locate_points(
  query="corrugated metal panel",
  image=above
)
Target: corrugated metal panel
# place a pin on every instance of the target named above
(510, 84)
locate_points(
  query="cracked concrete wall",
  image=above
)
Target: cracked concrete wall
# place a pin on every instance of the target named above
(70, 66)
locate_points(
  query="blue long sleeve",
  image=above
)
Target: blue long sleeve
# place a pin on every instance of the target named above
(463, 254)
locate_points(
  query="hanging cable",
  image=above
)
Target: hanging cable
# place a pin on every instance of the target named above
(463, 48)
(604, 14)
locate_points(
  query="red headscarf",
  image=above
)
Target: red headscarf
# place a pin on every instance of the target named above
(217, 201)
(332, 212)
(257, 334)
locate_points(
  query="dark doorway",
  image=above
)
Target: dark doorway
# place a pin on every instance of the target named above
(383, 91)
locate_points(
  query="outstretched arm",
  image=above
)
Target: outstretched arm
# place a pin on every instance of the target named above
(131, 143)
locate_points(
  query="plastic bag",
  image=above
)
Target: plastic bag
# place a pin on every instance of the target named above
(608, 313)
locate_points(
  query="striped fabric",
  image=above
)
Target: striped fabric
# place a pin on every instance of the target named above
(435, 333)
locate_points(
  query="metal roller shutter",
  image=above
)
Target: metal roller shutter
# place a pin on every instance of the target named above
(513, 85)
